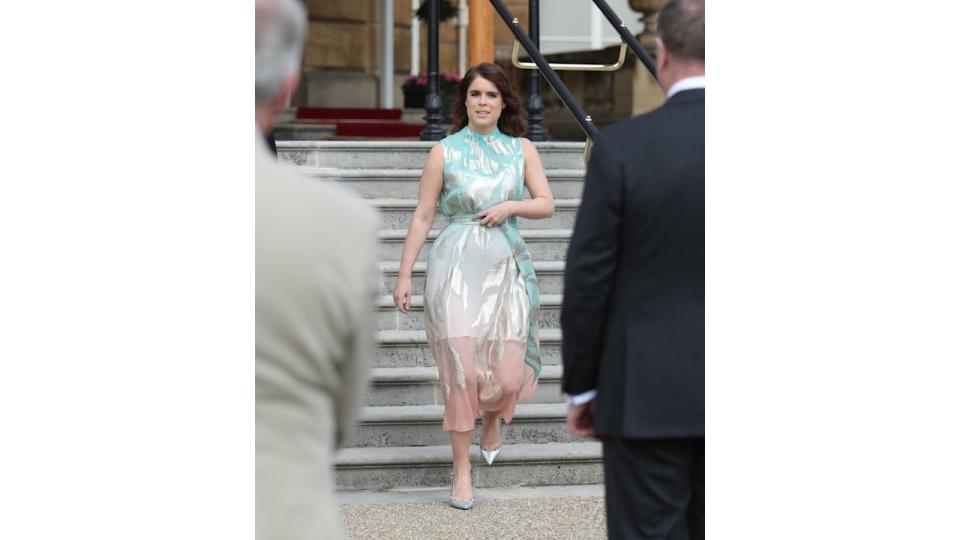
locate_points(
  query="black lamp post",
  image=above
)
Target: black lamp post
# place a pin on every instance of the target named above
(433, 106)
(535, 129)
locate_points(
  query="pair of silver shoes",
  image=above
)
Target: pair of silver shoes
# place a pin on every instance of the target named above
(489, 456)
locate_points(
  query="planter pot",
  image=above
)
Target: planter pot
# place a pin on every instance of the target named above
(414, 98)
(417, 98)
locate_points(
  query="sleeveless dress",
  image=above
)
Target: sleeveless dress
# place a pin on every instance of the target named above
(481, 299)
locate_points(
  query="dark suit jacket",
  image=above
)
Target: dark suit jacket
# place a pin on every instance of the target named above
(632, 315)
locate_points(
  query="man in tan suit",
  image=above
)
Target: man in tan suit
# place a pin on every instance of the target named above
(316, 279)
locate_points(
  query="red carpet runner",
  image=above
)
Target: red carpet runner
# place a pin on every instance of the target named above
(372, 123)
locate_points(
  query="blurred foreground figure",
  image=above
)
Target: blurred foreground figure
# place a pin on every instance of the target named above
(632, 319)
(316, 278)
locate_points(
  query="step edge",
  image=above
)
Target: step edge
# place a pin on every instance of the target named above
(393, 267)
(385, 301)
(374, 457)
(421, 374)
(533, 234)
(433, 414)
(549, 335)
(391, 202)
(548, 146)
(407, 173)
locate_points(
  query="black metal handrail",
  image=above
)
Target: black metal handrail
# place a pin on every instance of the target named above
(626, 36)
(432, 130)
(533, 49)
(586, 123)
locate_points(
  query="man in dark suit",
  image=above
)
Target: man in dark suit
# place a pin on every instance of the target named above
(632, 320)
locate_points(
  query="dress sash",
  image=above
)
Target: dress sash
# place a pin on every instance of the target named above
(521, 254)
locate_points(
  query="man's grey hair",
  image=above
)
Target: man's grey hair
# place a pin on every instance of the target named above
(681, 27)
(281, 26)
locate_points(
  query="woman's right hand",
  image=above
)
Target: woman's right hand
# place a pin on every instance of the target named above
(401, 294)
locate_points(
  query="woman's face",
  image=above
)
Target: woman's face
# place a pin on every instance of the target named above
(484, 105)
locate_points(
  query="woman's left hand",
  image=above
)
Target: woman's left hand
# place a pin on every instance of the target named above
(496, 214)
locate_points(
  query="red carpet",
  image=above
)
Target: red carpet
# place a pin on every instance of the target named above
(370, 123)
(378, 129)
(321, 113)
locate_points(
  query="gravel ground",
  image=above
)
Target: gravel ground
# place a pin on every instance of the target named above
(561, 518)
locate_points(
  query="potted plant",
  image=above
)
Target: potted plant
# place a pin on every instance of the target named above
(415, 91)
(445, 11)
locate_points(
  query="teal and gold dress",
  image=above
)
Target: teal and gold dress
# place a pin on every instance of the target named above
(481, 300)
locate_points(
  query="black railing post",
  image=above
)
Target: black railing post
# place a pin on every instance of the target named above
(432, 131)
(535, 129)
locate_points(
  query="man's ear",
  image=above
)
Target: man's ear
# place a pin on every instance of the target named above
(286, 92)
(663, 57)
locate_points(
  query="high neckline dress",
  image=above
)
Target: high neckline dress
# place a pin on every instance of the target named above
(481, 299)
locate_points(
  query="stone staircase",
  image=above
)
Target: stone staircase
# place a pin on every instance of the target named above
(399, 442)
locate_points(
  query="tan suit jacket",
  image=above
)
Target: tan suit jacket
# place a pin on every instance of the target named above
(316, 281)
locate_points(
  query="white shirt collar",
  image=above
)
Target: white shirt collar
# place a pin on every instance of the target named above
(688, 83)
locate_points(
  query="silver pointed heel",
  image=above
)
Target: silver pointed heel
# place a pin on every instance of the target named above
(490, 455)
(460, 504)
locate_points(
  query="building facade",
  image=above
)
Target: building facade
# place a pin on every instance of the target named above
(344, 61)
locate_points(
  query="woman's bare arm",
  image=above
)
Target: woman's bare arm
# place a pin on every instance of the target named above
(431, 184)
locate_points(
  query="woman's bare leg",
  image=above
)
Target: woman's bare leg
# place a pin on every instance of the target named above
(490, 437)
(462, 484)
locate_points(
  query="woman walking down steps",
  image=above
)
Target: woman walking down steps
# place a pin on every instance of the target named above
(481, 299)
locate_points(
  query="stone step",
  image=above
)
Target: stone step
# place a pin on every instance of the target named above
(544, 244)
(549, 276)
(381, 469)
(389, 318)
(408, 348)
(303, 131)
(350, 500)
(418, 386)
(402, 154)
(405, 183)
(413, 425)
(396, 214)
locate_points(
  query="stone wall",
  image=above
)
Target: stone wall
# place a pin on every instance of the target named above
(345, 34)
